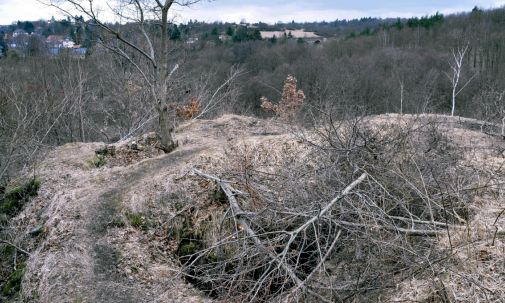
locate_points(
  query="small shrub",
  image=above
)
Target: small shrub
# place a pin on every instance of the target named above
(101, 154)
(291, 100)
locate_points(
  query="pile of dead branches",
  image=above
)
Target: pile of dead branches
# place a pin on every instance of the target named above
(354, 212)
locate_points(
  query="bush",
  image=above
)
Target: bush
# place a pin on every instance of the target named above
(291, 100)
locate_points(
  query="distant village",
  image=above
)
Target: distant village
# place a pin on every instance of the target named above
(55, 44)
(71, 37)
(49, 37)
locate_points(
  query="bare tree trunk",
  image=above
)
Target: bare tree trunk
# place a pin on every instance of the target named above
(166, 128)
(453, 99)
(456, 64)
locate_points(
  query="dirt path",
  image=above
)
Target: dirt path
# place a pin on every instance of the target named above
(107, 285)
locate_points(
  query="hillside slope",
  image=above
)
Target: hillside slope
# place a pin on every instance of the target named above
(85, 256)
(107, 230)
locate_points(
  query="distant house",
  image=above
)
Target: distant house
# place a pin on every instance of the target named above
(76, 51)
(54, 41)
(19, 41)
(297, 34)
(192, 40)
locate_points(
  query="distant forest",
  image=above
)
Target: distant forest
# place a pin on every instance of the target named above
(363, 66)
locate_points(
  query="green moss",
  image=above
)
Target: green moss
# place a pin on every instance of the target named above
(189, 248)
(15, 198)
(179, 205)
(101, 155)
(6, 251)
(13, 284)
(78, 300)
(106, 151)
(190, 239)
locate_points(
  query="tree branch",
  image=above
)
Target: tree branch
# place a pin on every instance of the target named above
(16, 247)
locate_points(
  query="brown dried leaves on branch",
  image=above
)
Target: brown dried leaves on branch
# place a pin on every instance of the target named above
(291, 101)
(189, 111)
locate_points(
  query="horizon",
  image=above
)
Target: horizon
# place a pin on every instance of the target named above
(271, 12)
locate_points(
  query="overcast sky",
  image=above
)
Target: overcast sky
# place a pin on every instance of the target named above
(272, 11)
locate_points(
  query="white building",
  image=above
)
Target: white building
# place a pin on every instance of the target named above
(298, 33)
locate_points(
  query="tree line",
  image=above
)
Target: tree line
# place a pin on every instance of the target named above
(393, 69)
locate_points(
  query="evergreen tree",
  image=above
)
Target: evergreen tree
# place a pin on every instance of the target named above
(256, 35)
(398, 24)
(240, 34)
(3, 45)
(476, 10)
(174, 33)
(229, 31)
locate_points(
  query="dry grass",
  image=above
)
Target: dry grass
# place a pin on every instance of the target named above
(85, 211)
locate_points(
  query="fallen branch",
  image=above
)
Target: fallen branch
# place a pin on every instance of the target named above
(16, 247)
(231, 193)
(321, 213)
(323, 259)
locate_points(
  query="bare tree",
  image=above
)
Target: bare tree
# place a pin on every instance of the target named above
(148, 54)
(399, 74)
(456, 64)
(491, 108)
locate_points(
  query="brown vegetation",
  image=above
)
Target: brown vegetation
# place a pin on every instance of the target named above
(291, 100)
(354, 208)
(413, 200)
(189, 111)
